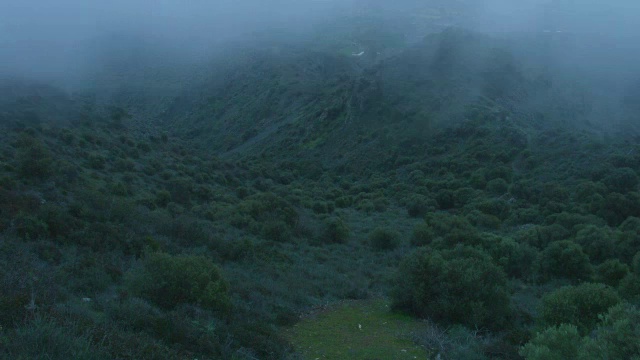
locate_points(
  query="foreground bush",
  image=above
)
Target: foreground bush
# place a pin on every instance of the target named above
(168, 281)
(562, 342)
(43, 339)
(578, 305)
(460, 286)
(617, 337)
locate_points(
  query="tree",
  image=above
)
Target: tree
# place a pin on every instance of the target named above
(460, 286)
(555, 343)
(565, 259)
(578, 305)
(168, 281)
(616, 337)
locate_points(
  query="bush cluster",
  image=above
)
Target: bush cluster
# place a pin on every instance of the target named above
(169, 281)
(460, 286)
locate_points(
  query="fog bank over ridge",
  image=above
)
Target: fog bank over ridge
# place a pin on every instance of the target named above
(57, 40)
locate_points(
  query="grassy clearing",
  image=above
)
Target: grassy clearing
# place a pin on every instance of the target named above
(357, 330)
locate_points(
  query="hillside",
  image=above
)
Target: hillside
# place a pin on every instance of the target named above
(262, 196)
(297, 103)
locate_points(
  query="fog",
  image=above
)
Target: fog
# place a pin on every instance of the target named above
(57, 40)
(50, 39)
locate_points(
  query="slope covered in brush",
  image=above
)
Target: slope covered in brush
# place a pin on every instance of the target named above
(286, 181)
(333, 109)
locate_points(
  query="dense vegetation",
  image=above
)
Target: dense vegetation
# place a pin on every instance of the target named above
(301, 180)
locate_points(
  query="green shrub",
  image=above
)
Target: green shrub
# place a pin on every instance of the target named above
(237, 249)
(478, 179)
(630, 224)
(555, 343)
(419, 205)
(188, 231)
(67, 136)
(34, 159)
(622, 180)
(454, 229)
(629, 287)
(384, 239)
(541, 236)
(144, 147)
(367, 206)
(499, 172)
(574, 221)
(483, 221)
(422, 235)
(627, 245)
(59, 223)
(496, 207)
(517, 260)
(462, 196)
(497, 186)
(460, 286)
(43, 339)
(169, 281)
(163, 198)
(553, 192)
(635, 263)
(578, 305)
(344, 201)
(119, 188)
(29, 227)
(320, 207)
(336, 231)
(268, 206)
(618, 335)
(96, 161)
(526, 190)
(597, 242)
(565, 259)
(611, 272)
(380, 203)
(276, 230)
(585, 190)
(86, 276)
(616, 207)
(445, 199)
(13, 308)
(628, 241)
(68, 173)
(455, 342)
(123, 165)
(181, 190)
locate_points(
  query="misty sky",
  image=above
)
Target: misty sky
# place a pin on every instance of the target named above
(32, 31)
(64, 20)
(45, 36)
(618, 17)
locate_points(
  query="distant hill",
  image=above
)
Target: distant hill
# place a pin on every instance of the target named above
(334, 108)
